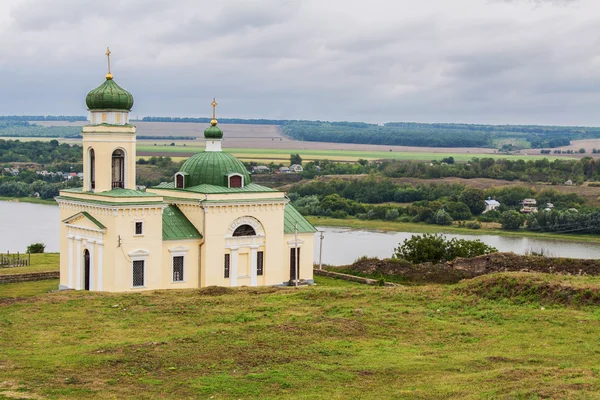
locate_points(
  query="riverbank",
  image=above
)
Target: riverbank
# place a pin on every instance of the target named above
(393, 226)
(32, 200)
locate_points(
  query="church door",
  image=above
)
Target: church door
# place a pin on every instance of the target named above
(86, 269)
(294, 254)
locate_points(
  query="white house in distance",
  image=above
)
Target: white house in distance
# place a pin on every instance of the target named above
(491, 205)
(296, 168)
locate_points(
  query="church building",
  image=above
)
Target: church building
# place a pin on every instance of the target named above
(211, 225)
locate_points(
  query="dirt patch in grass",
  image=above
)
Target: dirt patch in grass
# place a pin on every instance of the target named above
(531, 288)
(214, 291)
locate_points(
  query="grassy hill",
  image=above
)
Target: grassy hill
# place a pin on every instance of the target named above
(327, 341)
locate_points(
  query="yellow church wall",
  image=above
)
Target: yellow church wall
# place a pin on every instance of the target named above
(189, 249)
(306, 241)
(218, 242)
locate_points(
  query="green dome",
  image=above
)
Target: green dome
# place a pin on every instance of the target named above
(109, 95)
(213, 132)
(212, 168)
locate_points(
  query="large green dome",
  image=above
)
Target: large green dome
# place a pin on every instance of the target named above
(213, 168)
(109, 96)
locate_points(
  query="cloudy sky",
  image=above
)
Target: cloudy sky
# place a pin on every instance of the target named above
(480, 61)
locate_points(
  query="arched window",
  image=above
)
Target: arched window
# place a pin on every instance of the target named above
(118, 169)
(179, 181)
(92, 169)
(244, 230)
(235, 181)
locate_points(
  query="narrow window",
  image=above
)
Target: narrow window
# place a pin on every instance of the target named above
(92, 169)
(138, 273)
(178, 269)
(259, 263)
(227, 264)
(103, 117)
(294, 255)
(118, 169)
(139, 228)
(179, 181)
(118, 118)
(235, 181)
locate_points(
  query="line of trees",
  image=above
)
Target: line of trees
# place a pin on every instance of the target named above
(543, 170)
(39, 152)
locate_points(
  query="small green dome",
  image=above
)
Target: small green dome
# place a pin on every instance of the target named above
(213, 132)
(109, 95)
(213, 168)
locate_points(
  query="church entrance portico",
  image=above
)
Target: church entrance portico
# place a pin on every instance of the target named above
(246, 236)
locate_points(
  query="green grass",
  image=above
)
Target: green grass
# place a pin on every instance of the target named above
(26, 289)
(45, 262)
(333, 282)
(348, 154)
(376, 225)
(315, 342)
(33, 200)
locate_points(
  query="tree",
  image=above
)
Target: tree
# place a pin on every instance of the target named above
(474, 199)
(511, 220)
(36, 248)
(442, 218)
(295, 159)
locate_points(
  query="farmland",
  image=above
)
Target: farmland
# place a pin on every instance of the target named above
(267, 143)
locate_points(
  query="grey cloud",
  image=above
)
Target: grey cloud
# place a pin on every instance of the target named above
(465, 60)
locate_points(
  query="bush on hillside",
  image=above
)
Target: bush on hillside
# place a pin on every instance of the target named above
(436, 248)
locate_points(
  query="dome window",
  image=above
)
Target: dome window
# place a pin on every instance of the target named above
(236, 181)
(180, 180)
(244, 230)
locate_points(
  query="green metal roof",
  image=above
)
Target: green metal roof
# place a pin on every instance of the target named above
(118, 192)
(109, 203)
(212, 168)
(88, 216)
(109, 95)
(212, 189)
(175, 226)
(213, 132)
(292, 217)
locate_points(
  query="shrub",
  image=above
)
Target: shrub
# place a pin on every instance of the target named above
(511, 220)
(392, 215)
(36, 248)
(442, 218)
(436, 248)
(473, 225)
(339, 214)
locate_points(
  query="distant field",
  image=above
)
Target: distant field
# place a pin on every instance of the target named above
(313, 154)
(266, 143)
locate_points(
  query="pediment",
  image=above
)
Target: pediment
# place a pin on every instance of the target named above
(84, 220)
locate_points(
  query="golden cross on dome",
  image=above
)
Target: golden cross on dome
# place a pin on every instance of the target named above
(213, 122)
(108, 75)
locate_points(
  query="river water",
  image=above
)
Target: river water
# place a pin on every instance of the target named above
(22, 224)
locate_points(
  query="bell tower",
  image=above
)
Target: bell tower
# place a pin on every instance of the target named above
(109, 147)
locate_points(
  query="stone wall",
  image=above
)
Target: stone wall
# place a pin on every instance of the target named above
(34, 276)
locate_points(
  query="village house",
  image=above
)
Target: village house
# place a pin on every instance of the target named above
(260, 169)
(296, 168)
(491, 205)
(529, 206)
(211, 225)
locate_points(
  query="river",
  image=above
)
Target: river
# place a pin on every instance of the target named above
(22, 224)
